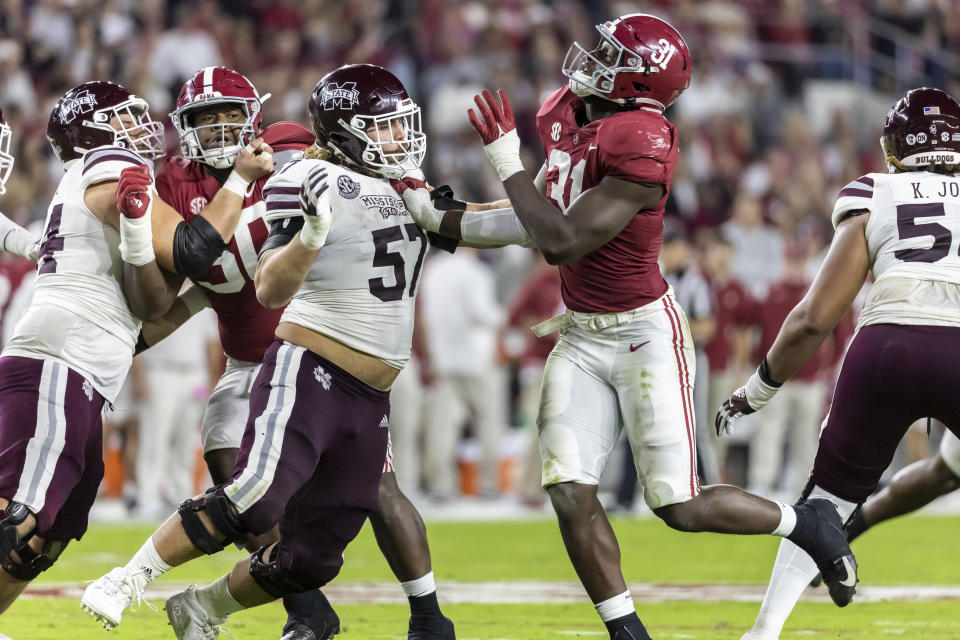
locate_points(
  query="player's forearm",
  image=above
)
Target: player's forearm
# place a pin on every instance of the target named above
(147, 291)
(15, 239)
(282, 271)
(182, 309)
(799, 338)
(489, 228)
(487, 206)
(223, 213)
(551, 231)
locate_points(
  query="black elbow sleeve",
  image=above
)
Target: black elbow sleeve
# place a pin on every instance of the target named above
(196, 246)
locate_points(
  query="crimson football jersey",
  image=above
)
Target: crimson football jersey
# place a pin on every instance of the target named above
(246, 327)
(638, 145)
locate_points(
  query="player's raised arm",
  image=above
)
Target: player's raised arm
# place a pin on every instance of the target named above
(294, 242)
(191, 248)
(126, 206)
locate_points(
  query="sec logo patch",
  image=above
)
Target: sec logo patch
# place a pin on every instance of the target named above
(347, 187)
(197, 205)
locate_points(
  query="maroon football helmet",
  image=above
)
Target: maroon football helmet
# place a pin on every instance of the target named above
(640, 61)
(213, 86)
(81, 120)
(6, 158)
(922, 130)
(363, 112)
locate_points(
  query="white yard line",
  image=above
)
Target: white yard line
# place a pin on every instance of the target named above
(542, 592)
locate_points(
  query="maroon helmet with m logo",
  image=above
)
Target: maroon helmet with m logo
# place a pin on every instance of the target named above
(363, 112)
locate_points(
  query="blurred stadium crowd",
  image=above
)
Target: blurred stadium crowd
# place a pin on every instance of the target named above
(785, 108)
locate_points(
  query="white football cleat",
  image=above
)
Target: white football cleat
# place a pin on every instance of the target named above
(106, 597)
(753, 634)
(189, 619)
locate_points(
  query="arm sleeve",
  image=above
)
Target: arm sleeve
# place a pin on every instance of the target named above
(106, 163)
(857, 195)
(442, 242)
(196, 246)
(496, 226)
(282, 232)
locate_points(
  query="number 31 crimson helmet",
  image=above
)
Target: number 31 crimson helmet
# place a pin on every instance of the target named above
(640, 61)
(217, 86)
(350, 101)
(922, 130)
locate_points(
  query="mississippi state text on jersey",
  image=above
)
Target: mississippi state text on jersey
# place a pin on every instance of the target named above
(360, 290)
(913, 240)
(639, 145)
(246, 327)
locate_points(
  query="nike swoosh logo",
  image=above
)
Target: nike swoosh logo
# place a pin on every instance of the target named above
(634, 347)
(851, 579)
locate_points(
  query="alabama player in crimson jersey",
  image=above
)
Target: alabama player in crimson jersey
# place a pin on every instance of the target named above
(218, 111)
(624, 358)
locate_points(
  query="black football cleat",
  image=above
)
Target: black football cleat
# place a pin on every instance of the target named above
(817, 580)
(309, 617)
(430, 627)
(820, 533)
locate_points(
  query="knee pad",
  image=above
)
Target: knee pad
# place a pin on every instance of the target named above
(30, 563)
(221, 513)
(273, 578)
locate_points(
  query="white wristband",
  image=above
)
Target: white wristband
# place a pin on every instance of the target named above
(136, 240)
(757, 392)
(504, 154)
(236, 184)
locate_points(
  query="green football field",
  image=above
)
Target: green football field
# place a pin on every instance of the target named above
(512, 581)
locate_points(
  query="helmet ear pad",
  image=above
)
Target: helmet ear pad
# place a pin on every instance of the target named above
(348, 144)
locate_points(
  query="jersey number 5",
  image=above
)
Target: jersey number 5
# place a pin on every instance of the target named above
(383, 257)
(908, 228)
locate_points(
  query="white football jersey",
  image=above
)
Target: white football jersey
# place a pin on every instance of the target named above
(360, 290)
(78, 314)
(913, 240)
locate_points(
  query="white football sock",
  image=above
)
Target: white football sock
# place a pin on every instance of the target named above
(420, 587)
(615, 607)
(146, 565)
(792, 572)
(216, 599)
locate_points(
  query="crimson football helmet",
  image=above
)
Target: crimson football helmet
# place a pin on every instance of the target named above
(922, 130)
(363, 113)
(640, 61)
(81, 120)
(213, 86)
(6, 158)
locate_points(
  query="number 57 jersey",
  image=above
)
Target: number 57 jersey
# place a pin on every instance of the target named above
(913, 242)
(360, 290)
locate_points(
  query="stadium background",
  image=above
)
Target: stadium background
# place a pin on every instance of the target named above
(786, 104)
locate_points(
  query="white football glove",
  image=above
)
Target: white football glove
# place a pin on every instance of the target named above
(751, 397)
(315, 203)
